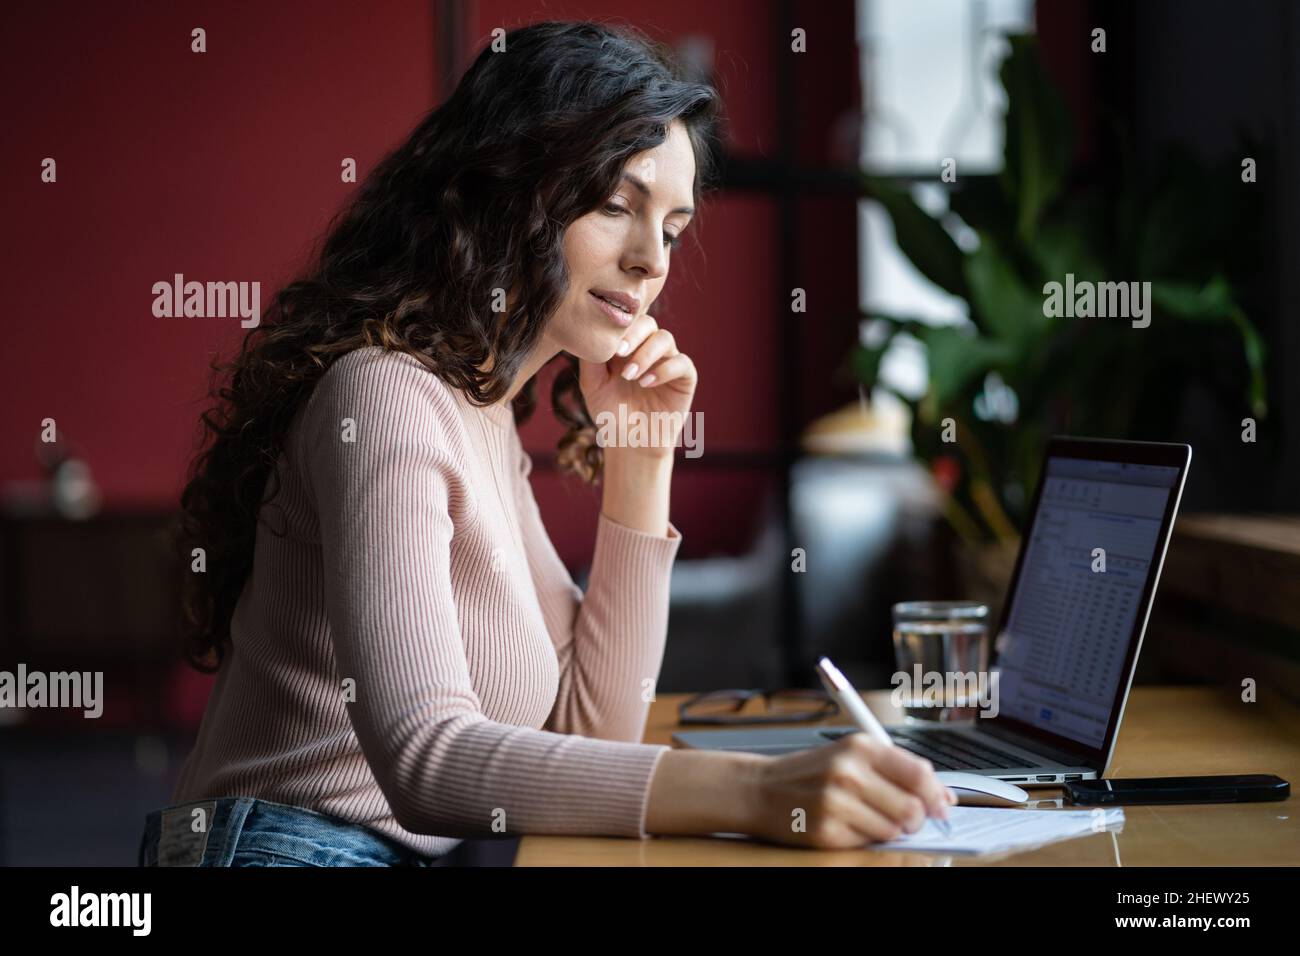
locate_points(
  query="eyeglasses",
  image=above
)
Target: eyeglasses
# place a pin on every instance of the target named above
(790, 705)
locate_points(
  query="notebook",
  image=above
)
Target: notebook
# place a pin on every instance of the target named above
(978, 830)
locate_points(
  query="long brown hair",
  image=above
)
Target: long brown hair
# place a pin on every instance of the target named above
(476, 200)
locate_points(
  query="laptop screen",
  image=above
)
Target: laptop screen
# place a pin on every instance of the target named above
(1064, 644)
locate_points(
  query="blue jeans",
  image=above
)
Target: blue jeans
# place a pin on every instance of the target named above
(245, 831)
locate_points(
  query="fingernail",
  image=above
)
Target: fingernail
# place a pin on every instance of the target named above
(647, 379)
(629, 373)
(624, 347)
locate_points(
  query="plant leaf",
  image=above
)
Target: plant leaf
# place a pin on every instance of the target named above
(1004, 304)
(982, 203)
(1066, 246)
(1215, 303)
(1254, 349)
(921, 237)
(1038, 136)
(1211, 302)
(956, 358)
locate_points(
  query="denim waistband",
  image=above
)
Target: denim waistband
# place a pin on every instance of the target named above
(212, 832)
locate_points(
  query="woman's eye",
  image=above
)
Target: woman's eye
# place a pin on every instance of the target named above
(614, 209)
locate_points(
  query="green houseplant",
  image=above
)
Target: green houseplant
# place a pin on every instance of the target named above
(1182, 228)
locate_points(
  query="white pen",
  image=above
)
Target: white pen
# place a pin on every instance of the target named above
(844, 693)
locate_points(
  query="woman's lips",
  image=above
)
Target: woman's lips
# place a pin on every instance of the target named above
(619, 317)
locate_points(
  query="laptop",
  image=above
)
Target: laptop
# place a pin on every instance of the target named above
(1069, 633)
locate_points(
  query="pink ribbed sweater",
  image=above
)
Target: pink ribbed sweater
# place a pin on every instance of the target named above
(412, 654)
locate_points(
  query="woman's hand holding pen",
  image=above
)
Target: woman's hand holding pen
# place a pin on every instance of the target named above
(852, 791)
(839, 796)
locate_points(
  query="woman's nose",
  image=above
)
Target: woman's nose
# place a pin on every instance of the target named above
(648, 256)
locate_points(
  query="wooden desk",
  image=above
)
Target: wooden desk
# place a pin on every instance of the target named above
(1167, 731)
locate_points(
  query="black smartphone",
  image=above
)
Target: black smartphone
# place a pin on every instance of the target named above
(1247, 788)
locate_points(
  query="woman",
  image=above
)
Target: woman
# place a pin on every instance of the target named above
(402, 659)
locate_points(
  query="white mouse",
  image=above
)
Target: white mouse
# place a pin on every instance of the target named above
(974, 790)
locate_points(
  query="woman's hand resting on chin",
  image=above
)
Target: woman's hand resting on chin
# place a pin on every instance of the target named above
(662, 380)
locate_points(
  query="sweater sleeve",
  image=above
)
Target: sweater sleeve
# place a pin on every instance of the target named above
(610, 642)
(385, 501)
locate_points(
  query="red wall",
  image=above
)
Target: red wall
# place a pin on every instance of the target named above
(221, 166)
(225, 166)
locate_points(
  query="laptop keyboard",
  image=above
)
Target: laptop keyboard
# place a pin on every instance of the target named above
(948, 751)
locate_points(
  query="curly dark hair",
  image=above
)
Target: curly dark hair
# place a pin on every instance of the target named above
(476, 199)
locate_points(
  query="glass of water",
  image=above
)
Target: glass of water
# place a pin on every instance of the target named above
(942, 652)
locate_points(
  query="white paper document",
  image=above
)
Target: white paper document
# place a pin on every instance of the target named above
(995, 829)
